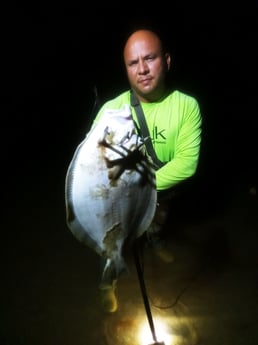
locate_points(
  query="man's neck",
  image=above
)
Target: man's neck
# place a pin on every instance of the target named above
(155, 96)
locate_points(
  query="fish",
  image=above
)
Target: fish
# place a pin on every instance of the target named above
(110, 190)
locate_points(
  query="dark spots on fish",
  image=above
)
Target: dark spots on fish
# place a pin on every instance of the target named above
(100, 192)
(114, 173)
(111, 237)
(128, 162)
(133, 159)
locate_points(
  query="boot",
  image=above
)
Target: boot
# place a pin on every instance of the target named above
(108, 297)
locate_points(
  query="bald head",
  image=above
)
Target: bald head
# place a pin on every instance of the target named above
(143, 37)
(146, 64)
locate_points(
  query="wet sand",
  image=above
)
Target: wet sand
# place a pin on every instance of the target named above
(49, 295)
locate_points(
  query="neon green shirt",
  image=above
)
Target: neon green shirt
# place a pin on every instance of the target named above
(175, 129)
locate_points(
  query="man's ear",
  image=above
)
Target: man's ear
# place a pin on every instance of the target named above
(168, 60)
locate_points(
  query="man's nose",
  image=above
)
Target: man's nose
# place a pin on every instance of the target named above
(143, 67)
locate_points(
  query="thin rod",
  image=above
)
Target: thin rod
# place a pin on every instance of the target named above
(143, 291)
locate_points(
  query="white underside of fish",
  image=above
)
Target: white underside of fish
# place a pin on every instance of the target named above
(110, 190)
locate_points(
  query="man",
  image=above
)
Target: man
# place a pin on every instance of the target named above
(174, 123)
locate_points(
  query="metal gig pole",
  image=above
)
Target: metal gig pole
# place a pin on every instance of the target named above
(144, 293)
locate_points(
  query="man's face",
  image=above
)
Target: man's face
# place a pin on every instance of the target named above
(146, 64)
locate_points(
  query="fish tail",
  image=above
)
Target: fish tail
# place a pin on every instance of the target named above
(113, 269)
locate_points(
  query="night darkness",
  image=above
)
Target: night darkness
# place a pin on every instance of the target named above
(54, 55)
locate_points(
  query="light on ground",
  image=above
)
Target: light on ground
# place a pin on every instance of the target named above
(145, 334)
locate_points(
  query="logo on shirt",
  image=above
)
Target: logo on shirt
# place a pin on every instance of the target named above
(158, 136)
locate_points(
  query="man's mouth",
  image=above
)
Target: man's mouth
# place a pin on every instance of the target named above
(145, 81)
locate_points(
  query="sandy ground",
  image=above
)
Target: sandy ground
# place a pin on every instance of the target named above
(49, 295)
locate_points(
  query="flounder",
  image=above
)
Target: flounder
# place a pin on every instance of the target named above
(110, 189)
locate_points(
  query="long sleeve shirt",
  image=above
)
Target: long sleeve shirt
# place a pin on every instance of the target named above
(174, 125)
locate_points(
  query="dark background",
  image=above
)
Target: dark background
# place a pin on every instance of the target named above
(55, 53)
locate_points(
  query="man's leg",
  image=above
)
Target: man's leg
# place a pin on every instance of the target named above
(155, 233)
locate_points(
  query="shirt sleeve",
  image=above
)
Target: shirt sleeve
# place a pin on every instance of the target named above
(186, 152)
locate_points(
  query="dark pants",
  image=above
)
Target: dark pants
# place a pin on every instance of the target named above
(155, 232)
